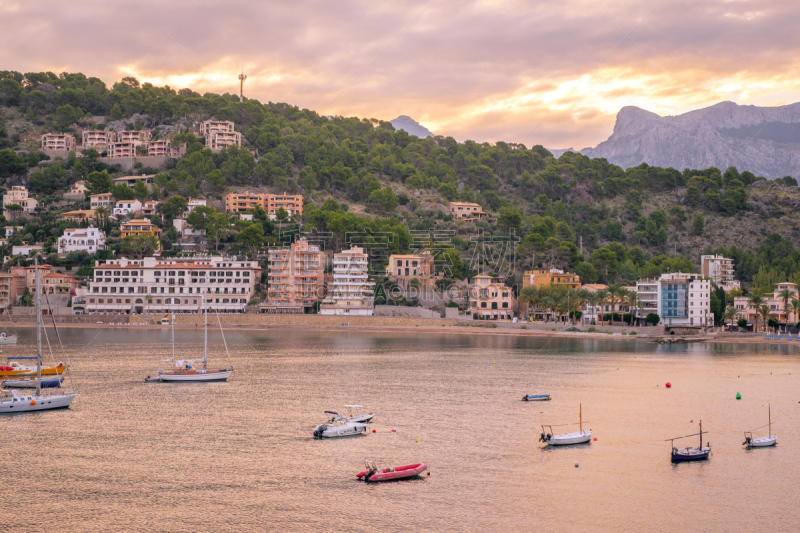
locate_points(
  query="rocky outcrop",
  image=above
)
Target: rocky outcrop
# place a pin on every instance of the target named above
(411, 126)
(763, 140)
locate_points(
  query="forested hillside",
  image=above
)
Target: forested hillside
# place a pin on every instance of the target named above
(361, 173)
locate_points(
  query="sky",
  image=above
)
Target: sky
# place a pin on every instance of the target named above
(536, 72)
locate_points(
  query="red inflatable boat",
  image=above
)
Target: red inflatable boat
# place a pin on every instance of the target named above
(390, 474)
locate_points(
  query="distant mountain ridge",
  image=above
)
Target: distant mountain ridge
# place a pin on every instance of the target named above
(411, 126)
(765, 140)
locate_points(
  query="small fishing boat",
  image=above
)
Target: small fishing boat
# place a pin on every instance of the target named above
(565, 439)
(761, 442)
(33, 382)
(373, 473)
(7, 339)
(690, 454)
(338, 429)
(536, 398)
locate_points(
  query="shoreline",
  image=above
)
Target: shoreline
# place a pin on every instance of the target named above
(460, 329)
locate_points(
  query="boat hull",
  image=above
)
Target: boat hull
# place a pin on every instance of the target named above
(27, 404)
(9, 339)
(337, 432)
(763, 442)
(567, 439)
(31, 383)
(536, 398)
(399, 472)
(6, 371)
(691, 454)
(219, 375)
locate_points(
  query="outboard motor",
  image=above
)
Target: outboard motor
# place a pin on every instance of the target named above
(746, 440)
(525, 398)
(319, 430)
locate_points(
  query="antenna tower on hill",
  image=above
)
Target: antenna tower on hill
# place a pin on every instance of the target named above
(242, 77)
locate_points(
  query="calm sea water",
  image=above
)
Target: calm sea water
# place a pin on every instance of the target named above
(239, 456)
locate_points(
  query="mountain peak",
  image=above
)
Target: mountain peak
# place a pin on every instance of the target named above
(410, 126)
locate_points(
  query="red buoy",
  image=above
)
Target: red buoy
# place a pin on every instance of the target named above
(595, 439)
(669, 384)
(373, 431)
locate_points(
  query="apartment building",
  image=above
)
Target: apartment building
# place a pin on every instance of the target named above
(104, 200)
(58, 141)
(291, 203)
(720, 270)
(158, 148)
(122, 149)
(295, 278)
(11, 288)
(130, 181)
(77, 191)
(98, 139)
(680, 299)
(542, 277)
(218, 140)
(18, 195)
(88, 239)
(351, 292)
(207, 127)
(127, 207)
(467, 211)
(194, 203)
(774, 303)
(139, 226)
(134, 136)
(150, 208)
(490, 299)
(175, 285)
(403, 268)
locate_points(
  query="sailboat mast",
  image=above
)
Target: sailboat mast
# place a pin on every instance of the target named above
(38, 330)
(701, 435)
(205, 342)
(580, 415)
(769, 413)
(172, 322)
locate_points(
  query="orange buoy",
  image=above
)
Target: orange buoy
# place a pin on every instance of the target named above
(33, 402)
(668, 385)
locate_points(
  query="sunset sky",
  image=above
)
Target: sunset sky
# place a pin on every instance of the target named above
(552, 73)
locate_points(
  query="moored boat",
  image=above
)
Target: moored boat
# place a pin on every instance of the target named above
(689, 453)
(14, 368)
(32, 382)
(536, 398)
(565, 439)
(7, 339)
(373, 473)
(761, 442)
(343, 428)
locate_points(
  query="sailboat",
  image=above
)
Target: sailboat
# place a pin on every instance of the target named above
(689, 453)
(761, 442)
(578, 437)
(14, 401)
(184, 371)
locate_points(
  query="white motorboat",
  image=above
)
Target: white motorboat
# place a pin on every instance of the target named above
(357, 417)
(761, 442)
(183, 371)
(565, 439)
(7, 339)
(339, 429)
(14, 401)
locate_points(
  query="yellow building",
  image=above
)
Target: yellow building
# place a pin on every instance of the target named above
(403, 268)
(139, 226)
(490, 299)
(291, 203)
(81, 215)
(467, 211)
(542, 277)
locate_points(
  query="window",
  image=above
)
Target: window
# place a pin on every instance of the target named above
(483, 305)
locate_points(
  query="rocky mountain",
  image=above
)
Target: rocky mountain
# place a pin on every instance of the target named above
(764, 140)
(411, 126)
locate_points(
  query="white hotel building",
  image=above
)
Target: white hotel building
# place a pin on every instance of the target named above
(679, 299)
(175, 285)
(352, 291)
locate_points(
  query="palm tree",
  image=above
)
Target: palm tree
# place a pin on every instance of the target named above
(529, 296)
(548, 303)
(729, 314)
(578, 299)
(755, 301)
(764, 312)
(615, 294)
(785, 295)
(602, 297)
(794, 307)
(632, 301)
